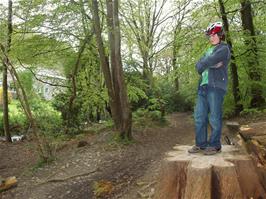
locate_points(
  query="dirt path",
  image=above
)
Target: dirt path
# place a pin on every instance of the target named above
(129, 171)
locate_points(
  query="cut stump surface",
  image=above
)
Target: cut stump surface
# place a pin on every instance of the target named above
(229, 174)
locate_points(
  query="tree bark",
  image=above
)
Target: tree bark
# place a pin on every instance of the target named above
(126, 116)
(113, 66)
(230, 174)
(104, 61)
(254, 73)
(5, 85)
(175, 50)
(234, 73)
(113, 73)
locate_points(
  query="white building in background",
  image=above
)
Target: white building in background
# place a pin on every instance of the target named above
(45, 90)
(50, 76)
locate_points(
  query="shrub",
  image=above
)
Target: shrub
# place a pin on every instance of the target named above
(17, 120)
(71, 121)
(144, 117)
(48, 119)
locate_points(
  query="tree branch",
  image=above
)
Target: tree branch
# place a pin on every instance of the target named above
(40, 80)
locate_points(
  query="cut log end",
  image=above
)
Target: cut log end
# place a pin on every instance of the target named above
(8, 183)
(230, 174)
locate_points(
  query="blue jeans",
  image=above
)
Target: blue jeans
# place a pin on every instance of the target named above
(209, 110)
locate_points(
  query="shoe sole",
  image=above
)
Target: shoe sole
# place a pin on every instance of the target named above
(212, 153)
(199, 151)
(194, 152)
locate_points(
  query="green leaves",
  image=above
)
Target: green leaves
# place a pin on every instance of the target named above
(135, 94)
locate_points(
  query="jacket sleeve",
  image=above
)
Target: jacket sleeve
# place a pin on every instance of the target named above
(219, 55)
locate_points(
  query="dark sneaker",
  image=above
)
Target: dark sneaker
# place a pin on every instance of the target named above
(195, 149)
(211, 151)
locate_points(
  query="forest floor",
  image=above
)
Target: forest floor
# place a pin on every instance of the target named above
(101, 169)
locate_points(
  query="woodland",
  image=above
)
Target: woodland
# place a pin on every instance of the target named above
(127, 65)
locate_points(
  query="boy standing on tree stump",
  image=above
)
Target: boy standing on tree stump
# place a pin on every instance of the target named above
(212, 68)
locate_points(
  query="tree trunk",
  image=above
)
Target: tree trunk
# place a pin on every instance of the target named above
(230, 174)
(71, 119)
(98, 114)
(42, 144)
(254, 72)
(147, 73)
(5, 86)
(113, 66)
(234, 73)
(73, 76)
(175, 48)
(104, 60)
(126, 116)
(115, 83)
(5, 105)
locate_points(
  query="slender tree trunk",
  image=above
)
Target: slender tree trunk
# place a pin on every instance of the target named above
(5, 86)
(254, 72)
(98, 114)
(5, 105)
(234, 73)
(73, 77)
(147, 72)
(42, 144)
(104, 61)
(174, 60)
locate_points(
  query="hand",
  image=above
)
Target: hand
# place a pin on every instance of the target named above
(219, 65)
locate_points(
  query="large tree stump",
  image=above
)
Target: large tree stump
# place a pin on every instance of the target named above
(230, 174)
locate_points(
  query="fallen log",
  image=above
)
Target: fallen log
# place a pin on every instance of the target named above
(253, 130)
(230, 174)
(254, 136)
(8, 183)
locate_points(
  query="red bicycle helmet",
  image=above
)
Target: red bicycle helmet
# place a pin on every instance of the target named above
(215, 28)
